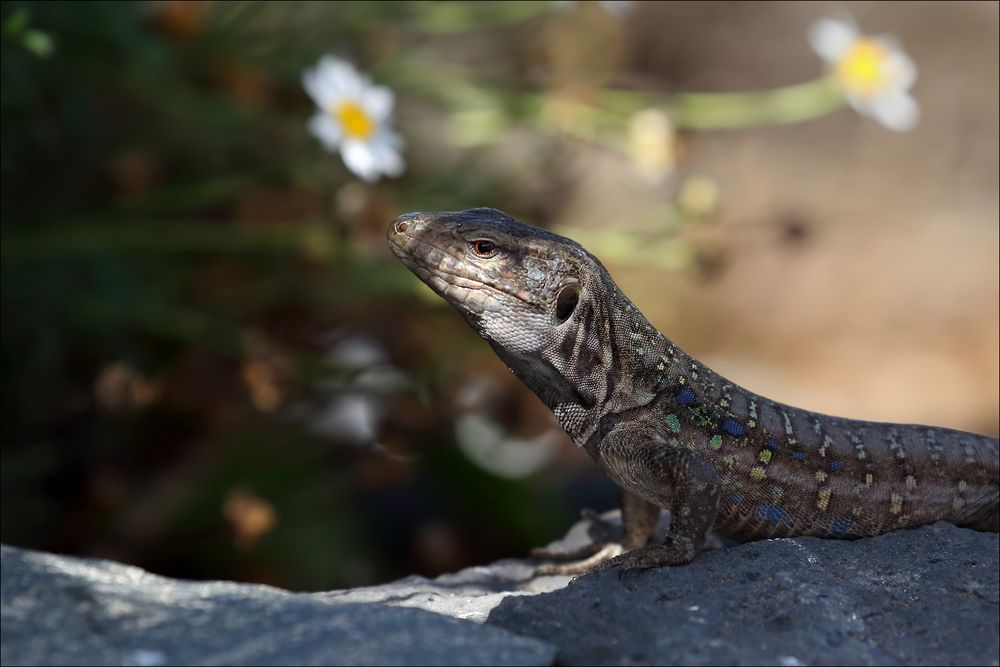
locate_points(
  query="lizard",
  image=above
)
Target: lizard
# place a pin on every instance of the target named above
(670, 432)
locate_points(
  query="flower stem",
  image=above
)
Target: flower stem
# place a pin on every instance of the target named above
(723, 111)
(779, 106)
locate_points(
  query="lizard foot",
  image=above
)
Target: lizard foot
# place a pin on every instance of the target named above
(596, 555)
(675, 550)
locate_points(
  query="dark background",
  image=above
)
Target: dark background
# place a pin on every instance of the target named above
(213, 368)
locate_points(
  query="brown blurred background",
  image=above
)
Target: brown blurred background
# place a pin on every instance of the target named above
(213, 368)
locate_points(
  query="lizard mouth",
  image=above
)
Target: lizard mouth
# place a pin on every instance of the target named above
(440, 267)
(427, 270)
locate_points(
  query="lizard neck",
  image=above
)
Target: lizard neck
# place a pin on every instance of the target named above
(609, 360)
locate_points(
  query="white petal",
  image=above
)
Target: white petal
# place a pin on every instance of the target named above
(863, 105)
(341, 75)
(831, 38)
(902, 70)
(331, 79)
(321, 83)
(390, 137)
(324, 129)
(358, 157)
(387, 157)
(896, 110)
(311, 81)
(378, 102)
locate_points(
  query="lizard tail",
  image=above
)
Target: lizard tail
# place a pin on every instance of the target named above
(987, 519)
(987, 515)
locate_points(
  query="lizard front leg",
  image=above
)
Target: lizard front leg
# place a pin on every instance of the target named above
(639, 518)
(671, 477)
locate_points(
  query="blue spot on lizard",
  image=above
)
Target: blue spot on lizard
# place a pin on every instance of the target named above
(773, 513)
(734, 428)
(685, 396)
(840, 526)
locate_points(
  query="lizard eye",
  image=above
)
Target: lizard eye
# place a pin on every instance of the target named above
(566, 302)
(484, 248)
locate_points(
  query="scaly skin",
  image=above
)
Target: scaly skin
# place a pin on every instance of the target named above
(671, 433)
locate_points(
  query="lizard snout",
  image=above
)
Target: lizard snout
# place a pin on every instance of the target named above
(404, 223)
(401, 232)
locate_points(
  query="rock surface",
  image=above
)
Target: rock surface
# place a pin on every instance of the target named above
(926, 596)
(913, 597)
(70, 611)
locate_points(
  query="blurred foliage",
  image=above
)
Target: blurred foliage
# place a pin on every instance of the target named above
(176, 250)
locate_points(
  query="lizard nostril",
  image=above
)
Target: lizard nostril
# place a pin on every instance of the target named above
(406, 222)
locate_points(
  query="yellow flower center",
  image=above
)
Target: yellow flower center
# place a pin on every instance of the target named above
(863, 69)
(354, 120)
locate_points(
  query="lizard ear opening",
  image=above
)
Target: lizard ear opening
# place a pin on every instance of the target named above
(566, 302)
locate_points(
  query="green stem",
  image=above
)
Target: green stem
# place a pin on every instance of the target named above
(779, 106)
(716, 111)
(797, 103)
(785, 105)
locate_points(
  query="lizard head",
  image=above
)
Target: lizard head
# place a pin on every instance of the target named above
(517, 285)
(548, 308)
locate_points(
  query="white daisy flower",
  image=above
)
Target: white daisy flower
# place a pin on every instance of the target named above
(874, 73)
(355, 117)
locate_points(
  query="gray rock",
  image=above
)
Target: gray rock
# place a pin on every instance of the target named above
(471, 593)
(62, 610)
(925, 596)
